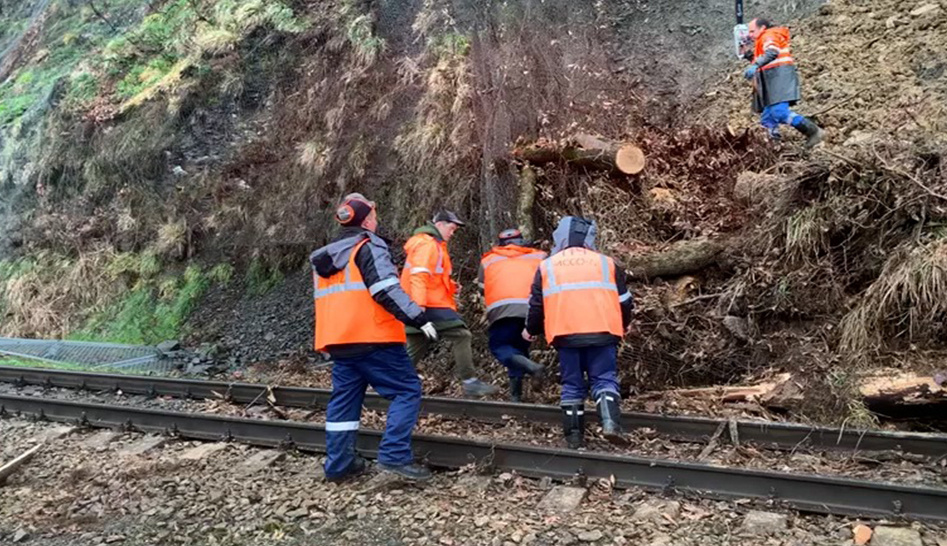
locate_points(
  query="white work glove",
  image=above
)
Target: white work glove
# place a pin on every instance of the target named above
(429, 331)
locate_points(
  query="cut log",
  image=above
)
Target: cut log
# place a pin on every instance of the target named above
(681, 258)
(585, 151)
(630, 159)
(8, 469)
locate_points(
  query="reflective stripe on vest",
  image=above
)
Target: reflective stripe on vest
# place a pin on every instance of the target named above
(438, 267)
(580, 295)
(774, 39)
(530, 256)
(347, 286)
(439, 288)
(507, 278)
(508, 301)
(554, 288)
(346, 313)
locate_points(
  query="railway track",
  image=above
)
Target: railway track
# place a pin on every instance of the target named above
(813, 493)
(763, 433)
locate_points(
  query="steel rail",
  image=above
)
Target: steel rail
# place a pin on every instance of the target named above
(764, 433)
(821, 494)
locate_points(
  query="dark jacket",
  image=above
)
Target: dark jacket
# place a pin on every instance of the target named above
(374, 263)
(778, 83)
(576, 232)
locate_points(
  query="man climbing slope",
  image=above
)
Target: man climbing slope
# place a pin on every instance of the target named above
(360, 315)
(506, 273)
(776, 82)
(426, 277)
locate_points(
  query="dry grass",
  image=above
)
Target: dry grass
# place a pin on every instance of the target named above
(172, 239)
(807, 233)
(908, 301)
(313, 156)
(442, 132)
(51, 295)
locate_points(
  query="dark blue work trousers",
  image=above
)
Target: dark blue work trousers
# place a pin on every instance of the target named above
(584, 367)
(390, 372)
(506, 341)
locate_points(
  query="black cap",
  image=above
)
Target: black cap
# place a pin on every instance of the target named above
(448, 216)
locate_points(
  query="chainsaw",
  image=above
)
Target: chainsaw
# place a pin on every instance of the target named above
(741, 33)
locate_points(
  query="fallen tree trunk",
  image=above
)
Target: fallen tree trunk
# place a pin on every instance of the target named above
(524, 209)
(901, 389)
(681, 258)
(892, 393)
(585, 151)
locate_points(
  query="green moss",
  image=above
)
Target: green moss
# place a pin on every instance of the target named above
(83, 87)
(262, 278)
(149, 265)
(140, 78)
(450, 45)
(221, 274)
(149, 313)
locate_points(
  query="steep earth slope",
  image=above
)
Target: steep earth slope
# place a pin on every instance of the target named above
(212, 136)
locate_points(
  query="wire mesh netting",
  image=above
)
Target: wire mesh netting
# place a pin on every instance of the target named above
(92, 355)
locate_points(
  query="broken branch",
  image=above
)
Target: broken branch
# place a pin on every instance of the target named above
(8, 469)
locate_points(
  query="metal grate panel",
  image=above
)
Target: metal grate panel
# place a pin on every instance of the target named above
(94, 355)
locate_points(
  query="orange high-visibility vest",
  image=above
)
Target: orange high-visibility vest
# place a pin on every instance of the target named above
(774, 38)
(579, 294)
(426, 273)
(346, 312)
(508, 273)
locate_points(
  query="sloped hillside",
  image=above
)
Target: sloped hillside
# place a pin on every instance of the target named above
(175, 161)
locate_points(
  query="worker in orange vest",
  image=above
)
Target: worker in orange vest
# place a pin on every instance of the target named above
(776, 80)
(361, 311)
(506, 273)
(580, 301)
(426, 277)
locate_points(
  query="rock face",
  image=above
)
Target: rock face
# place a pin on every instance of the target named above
(896, 536)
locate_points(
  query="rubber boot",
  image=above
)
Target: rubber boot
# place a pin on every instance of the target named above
(532, 368)
(573, 425)
(609, 410)
(516, 389)
(813, 132)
